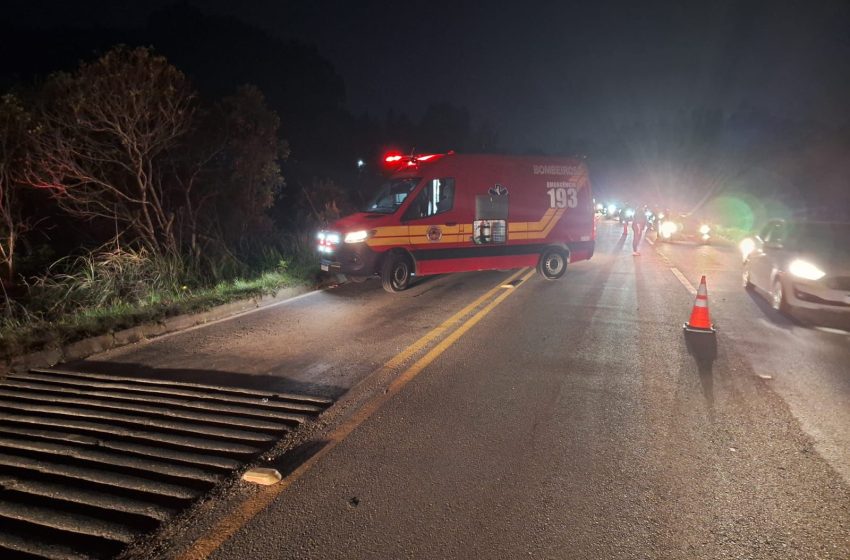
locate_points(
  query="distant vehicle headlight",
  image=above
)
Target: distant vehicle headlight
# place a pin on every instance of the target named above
(357, 236)
(805, 269)
(599, 207)
(668, 229)
(747, 246)
(630, 213)
(704, 229)
(612, 208)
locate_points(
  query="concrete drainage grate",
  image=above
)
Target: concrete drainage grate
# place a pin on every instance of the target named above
(89, 462)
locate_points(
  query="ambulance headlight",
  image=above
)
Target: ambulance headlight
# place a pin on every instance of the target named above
(805, 270)
(331, 238)
(704, 229)
(668, 229)
(357, 236)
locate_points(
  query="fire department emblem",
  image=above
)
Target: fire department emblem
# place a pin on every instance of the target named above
(434, 233)
(498, 190)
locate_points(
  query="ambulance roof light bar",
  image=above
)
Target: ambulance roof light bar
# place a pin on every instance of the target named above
(395, 159)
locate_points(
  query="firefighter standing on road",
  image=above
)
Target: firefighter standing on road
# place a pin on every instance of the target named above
(638, 227)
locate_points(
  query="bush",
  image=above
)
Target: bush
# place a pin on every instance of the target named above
(110, 276)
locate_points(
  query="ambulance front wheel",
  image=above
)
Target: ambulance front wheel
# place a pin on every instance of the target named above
(396, 272)
(553, 263)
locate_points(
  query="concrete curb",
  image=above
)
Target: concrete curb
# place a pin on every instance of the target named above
(94, 345)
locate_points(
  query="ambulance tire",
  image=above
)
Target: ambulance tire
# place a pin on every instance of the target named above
(553, 263)
(396, 272)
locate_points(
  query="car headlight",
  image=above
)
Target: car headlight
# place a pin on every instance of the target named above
(747, 246)
(704, 229)
(357, 236)
(668, 229)
(805, 269)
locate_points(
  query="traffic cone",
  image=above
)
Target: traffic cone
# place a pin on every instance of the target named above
(700, 321)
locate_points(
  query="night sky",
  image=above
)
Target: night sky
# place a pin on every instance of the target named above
(542, 72)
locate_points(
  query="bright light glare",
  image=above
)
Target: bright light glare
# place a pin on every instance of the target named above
(356, 236)
(704, 229)
(805, 269)
(599, 206)
(668, 229)
(630, 213)
(332, 238)
(747, 246)
(612, 208)
(360, 163)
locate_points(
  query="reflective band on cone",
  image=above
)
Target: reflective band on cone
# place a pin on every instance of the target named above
(700, 320)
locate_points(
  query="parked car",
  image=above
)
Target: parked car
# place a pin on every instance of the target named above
(800, 264)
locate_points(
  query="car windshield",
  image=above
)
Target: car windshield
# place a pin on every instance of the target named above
(821, 238)
(391, 195)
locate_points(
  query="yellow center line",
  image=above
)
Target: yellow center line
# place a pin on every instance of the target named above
(414, 348)
(247, 510)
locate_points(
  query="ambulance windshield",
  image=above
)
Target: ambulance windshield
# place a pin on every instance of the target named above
(392, 195)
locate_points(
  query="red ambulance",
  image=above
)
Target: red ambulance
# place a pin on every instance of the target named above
(441, 213)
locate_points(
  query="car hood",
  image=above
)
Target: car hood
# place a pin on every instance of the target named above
(363, 220)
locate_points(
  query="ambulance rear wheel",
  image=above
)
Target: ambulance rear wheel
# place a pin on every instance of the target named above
(552, 264)
(396, 272)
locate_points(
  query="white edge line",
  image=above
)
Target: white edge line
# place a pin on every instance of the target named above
(688, 286)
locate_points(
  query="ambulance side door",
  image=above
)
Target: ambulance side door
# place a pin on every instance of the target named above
(433, 217)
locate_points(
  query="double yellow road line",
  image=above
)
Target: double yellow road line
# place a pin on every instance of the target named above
(466, 318)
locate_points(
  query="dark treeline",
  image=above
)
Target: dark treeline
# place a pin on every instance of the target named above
(265, 152)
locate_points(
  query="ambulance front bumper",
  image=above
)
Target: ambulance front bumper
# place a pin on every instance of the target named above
(356, 259)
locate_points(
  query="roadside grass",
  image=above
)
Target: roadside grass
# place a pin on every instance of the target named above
(83, 303)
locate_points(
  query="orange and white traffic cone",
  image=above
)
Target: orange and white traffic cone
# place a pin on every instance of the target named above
(700, 321)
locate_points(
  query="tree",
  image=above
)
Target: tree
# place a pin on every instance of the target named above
(14, 122)
(105, 136)
(251, 178)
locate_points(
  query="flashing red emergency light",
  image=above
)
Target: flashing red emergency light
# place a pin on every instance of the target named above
(394, 159)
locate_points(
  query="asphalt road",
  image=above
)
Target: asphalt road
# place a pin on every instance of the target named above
(568, 420)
